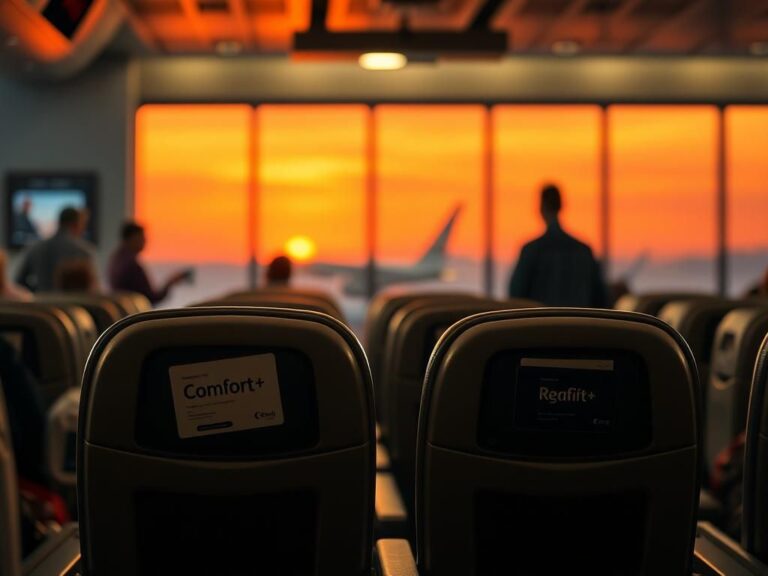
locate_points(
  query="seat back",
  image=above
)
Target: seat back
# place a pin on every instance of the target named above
(85, 330)
(308, 293)
(734, 352)
(754, 531)
(62, 438)
(103, 309)
(244, 434)
(654, 302)
(131, 302)
(558, 441)
(283, 300)
(413, 333)
(697, 321)
(10, 529)
(380, 312)
(46, 342)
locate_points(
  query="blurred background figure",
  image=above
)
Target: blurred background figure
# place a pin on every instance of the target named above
(279, 271)
(556, 269)
(76, 276)
(9, 290)
(22, 223)
(38, 268)
(759, 289)
(127, 273)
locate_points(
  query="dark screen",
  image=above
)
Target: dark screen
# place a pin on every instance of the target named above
(565, 395)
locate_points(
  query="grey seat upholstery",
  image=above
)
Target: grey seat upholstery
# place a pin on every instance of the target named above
(380, 312)
(558, 441)
(279, 300)
(413, 333)
(652, 303)
(755, 504)
(734, 354)
(103, 309)
(276, 476)
(47, 343)
(10, 529)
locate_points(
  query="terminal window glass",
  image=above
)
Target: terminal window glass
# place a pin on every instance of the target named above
(192, 185)
(747, 186)
(535, 145)
(312, 196)
(430, 182)
(663, 207)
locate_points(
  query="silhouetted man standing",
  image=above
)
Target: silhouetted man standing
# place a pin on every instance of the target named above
(555, 268)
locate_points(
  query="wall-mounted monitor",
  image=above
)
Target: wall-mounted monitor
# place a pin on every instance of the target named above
(34, 201)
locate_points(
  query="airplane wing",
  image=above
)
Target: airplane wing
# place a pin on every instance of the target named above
(328, 269)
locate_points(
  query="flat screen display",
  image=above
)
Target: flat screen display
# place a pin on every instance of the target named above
(565, 394)
(34, 203)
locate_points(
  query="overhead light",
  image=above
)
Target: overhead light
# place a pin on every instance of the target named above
(566, 47)
(382, 60)
(759, 48)
(229, 47)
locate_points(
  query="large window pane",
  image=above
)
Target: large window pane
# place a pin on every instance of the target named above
(430, 165)
(312, 170)
(535, 145)
(192, 174)
(747, 162)
(663, 181)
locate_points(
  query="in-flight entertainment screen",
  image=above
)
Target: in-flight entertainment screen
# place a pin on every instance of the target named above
(34, 203)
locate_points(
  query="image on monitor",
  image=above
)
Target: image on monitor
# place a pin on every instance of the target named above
(34, 202)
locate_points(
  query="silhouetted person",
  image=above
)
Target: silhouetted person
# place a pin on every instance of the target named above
(38, 269)
(127, 274)
(76, 276)
(556, 269)
(24, 230)
(279, 271)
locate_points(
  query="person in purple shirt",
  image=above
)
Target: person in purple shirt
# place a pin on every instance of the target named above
(127, 274)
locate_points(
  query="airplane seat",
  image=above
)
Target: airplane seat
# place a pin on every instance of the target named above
(131, 302)
(290, 301)
(45, 342)
(380, 311)
(558, 441)
(226, 441)
(734, 353)
(308, 293)
(10, 528)
(754, 532)
(652, 303)
(697, 321)
(103, 309)
(62, 438)
(85, 333)
(412, 335)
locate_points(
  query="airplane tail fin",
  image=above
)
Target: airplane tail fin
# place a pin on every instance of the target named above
(434, 257)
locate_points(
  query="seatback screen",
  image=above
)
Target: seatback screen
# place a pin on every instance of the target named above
(565, 394)
(549, 403)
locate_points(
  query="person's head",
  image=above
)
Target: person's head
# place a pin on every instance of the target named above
(73, 221)
(279, 271)
(75, 276)
(26, 205)
(133, 236)
(551, 202)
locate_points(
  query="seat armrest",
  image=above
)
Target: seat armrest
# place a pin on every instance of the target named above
(396, 558)
(391, 513)
(383, 462)
(719, 553)
(56, 555)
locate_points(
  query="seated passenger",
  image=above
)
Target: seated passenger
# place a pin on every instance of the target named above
(9, 290)
(556, 269)
(76, 276)
(127, 274)
(279, 272)
(39, 266)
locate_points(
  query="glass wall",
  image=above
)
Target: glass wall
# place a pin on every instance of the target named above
(663, 204)
(219, 184)
(192, 194)
(747, 189)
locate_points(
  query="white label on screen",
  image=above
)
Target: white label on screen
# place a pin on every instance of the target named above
(226, 395)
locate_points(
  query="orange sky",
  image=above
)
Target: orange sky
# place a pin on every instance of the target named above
(193, 166)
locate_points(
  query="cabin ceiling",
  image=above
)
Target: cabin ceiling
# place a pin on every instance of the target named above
(532, 26)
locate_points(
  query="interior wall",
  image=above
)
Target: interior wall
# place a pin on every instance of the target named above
(84, 124)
